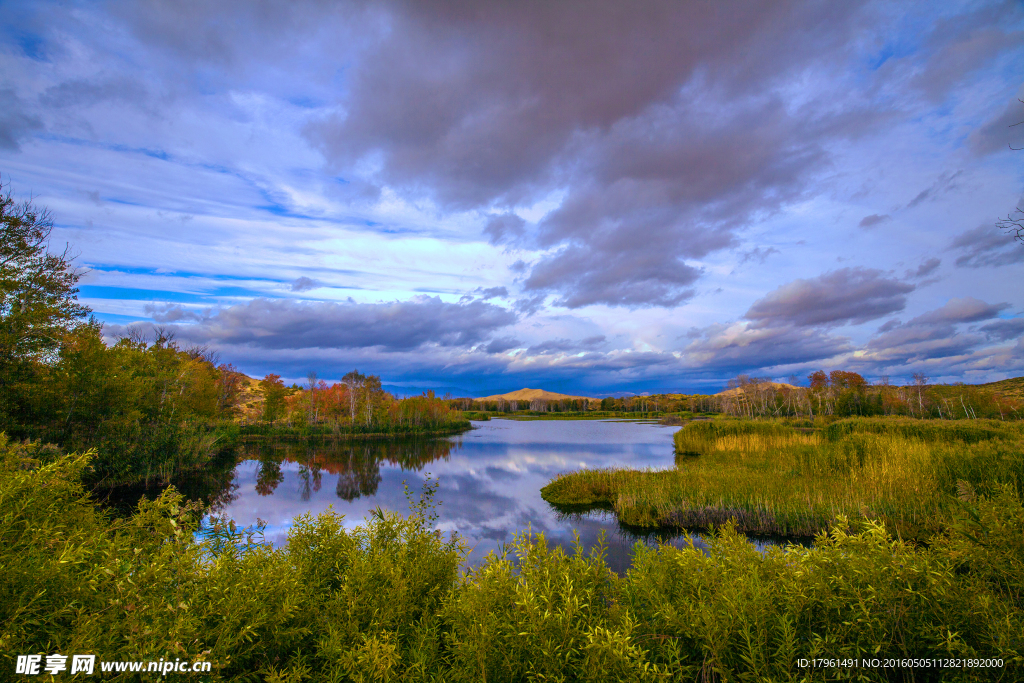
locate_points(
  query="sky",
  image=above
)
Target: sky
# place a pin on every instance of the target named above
(588, 197)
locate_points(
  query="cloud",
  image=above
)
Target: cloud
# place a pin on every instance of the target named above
(740, 347)
(15, 121)
(849, 295)
(987, 246)
(492, 292)
(584, 276)
(504, 105)
(961, 310)
(565, 346)
(502, 344)
(960, 44)
(925, 269)
(1002, 132)
(304, 284)
(758, 254)
(916, 343)
(286, 324)
(873, 220)
(1004, 330)
(79, 92)
(932, 335)
(530, 305)
(946, 182)
(507, 227)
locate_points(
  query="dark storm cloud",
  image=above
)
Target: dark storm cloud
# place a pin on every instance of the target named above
(849, 295)
(873, 220)
(645, 118)
(477, 100)
(987, 245)
(286, 324)
(15, 121)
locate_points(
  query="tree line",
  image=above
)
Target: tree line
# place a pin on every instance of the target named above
(356, 404)
(841, 393)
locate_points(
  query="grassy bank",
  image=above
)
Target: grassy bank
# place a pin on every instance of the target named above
(385, 601)
(772, 478)
(579, 415)
(282, 432)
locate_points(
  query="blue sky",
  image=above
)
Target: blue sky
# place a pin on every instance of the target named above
(596, 197)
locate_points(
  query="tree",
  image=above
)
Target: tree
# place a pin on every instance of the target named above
(1014, 222)
(38, 303)
(274, 393)
(354, 381)
(312, 413)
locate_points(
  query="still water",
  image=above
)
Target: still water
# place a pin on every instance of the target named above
(490, 480)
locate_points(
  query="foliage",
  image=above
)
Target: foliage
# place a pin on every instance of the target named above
(384, 601)
(145, 407)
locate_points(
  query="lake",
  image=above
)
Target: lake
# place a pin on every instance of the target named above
(489, 480)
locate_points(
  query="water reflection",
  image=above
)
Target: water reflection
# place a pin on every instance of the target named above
(215, 485)
(357, 464)
(490, 481)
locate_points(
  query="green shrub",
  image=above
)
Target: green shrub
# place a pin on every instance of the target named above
(383, 601)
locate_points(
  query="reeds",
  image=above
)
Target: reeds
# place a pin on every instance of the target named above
(773, 479)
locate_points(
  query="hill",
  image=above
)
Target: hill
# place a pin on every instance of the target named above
(1013, 387)
(739, 390)
(533, 394)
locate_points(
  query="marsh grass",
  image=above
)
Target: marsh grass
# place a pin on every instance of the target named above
(772, 479)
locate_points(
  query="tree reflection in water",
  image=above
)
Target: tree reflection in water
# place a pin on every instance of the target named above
(356, 463)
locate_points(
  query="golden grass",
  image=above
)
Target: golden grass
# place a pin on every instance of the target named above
(774, 480)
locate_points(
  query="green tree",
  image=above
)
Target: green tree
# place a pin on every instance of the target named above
(38, 302)
(274, 393)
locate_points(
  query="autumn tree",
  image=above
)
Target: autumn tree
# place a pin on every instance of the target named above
(311, 387)
(354, 381)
